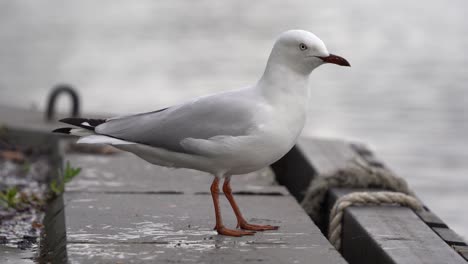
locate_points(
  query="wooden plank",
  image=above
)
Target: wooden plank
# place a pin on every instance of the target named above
(126, 173)
(53, 244)
(31, 119)
(449, 236)
(294, 171)
(132, 219)
(367, 155)
(431, 219)
(393, 234)
(158, 228)
(385, 234)
(308, 158)
(9, 255)
(326, 155)
(462, 250)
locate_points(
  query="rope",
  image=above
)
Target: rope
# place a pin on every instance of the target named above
(364, 198)
(358, 174)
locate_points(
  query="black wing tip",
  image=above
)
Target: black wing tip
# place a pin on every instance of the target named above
(86, 123)
(63, 130)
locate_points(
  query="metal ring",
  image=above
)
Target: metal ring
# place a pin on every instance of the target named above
(56, 91)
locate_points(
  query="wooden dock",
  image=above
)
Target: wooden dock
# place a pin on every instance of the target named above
(121, 209)
(371, 234)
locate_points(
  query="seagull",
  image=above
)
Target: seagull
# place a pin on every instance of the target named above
(227, 133)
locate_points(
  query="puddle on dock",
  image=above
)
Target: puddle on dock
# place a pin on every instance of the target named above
(141, 232)
(164, 236)
(160, 241)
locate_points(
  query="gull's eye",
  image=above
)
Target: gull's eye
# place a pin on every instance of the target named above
(302, 46)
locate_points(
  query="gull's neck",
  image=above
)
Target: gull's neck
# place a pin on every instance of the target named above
(280, 82)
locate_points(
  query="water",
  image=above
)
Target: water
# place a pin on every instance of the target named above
(405, 95)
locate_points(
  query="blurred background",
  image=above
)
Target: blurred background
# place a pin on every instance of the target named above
(406, 93)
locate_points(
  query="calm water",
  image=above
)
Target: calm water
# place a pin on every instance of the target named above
(406, 94)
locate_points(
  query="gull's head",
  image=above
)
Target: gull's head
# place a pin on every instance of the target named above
(302, 52)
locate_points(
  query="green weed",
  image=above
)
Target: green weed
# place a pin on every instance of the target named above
(8, 198)
(58, 187)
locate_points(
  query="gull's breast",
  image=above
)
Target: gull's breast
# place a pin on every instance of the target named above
(273, 137)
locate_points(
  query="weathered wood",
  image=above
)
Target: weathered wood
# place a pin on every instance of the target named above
(390, 234)
(367, 155)
(121, 208)
(431, 219)
(177, 228)
(326, 155)
(449, 236)
(308, 158)
(46, 142)
(295, 172)
(24, 119)
(10, 255)
(30, 119)
(53, 242)
(462, 250)
(386, 234)
(126, 173)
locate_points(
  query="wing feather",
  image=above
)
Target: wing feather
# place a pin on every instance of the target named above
(219, 115)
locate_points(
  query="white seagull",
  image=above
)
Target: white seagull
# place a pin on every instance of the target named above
(227, 133)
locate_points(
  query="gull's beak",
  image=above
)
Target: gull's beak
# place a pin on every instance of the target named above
(336, 60)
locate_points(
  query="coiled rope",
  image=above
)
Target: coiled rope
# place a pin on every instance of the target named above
(364, 198)
(358, 175)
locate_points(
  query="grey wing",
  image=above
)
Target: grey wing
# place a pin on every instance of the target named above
(201, 119)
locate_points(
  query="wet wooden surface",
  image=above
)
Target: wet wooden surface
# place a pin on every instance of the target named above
(121, 209)
(126, 173)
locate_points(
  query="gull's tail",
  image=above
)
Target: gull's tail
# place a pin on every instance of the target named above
(86, 126)
(86, 123)
(86, 131)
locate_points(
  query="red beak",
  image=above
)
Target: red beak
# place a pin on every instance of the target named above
(335, 60)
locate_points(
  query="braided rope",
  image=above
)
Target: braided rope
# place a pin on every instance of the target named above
(364, 198)
(358, 174)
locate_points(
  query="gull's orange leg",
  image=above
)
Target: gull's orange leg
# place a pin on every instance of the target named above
(219, 221)
(241, 222)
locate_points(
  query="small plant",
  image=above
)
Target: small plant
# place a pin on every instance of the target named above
(30, 199)
(8, 198)
(68, 174)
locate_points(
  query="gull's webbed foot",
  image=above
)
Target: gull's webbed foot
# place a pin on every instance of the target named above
(246, 226)
(232, 232)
